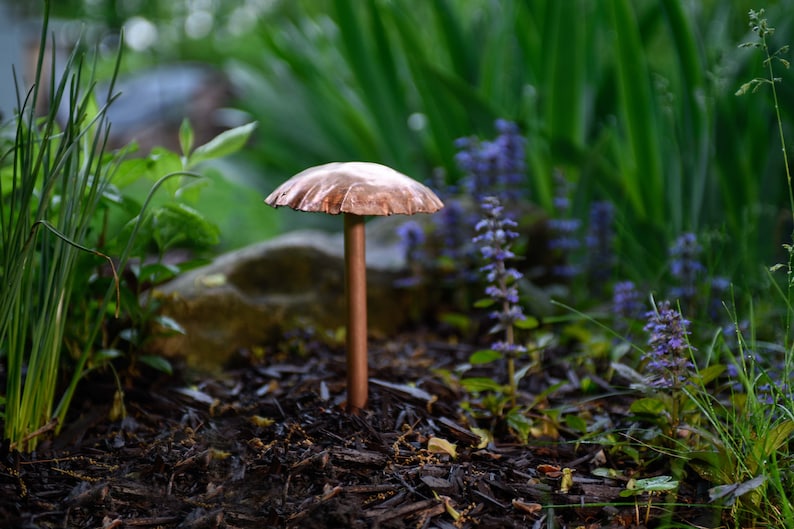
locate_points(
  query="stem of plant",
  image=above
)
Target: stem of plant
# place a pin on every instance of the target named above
(510, 340)
(356, 297)
(772, 82)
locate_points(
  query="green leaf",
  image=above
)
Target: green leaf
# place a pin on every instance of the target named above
(647, 406)
(521, 373)
(710, 373)
(157, 272)
(186, 137)
(520, 423)
(104, 355)
(225, 143)
(456, 320)
(485, 356)
(178, 224)
(774, 439)
(576, 423)
(732, 491)
(481, 384)
(157, 362)
(635, 487)
(527, 324)
(170, 324)
(713, 466)
(640, 164)
(484, 303)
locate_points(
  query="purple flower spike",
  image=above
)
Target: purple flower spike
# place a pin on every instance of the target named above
(626, 301)
(685, 266)
(495, 236)
(600, 238)
(668, 361)
(495, 167)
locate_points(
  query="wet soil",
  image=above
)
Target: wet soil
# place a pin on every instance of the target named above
(268, 443)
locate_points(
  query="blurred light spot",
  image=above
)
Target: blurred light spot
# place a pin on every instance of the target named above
(198, 24)
(417, 121)
(242, 20)
(139, 33)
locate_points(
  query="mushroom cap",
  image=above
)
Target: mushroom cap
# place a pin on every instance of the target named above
(360, 188)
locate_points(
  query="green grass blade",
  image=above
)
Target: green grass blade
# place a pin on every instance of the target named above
(639, 154)
(565, 76)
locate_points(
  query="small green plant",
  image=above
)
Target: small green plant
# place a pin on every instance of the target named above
(52, 179)
(650, 486)
(62, 214)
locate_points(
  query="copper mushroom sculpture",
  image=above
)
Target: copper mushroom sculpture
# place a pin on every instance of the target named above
(355, 189)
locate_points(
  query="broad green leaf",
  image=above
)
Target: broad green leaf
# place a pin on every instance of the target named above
(713, 466)
(485, 356)
(576, 423)
(225, 143)
(647, 406)
(519, 422)
(528, 323)
(178, 224)
(636, 487)
(605, 472)
(170, 324)
(710, 373)
(157, 362)
(130, 171)
(484, 303)
(157, 272)
(461, 322)
(103, 355)
(480, 384)
(774, 439)
(521, 373)
(732, 491)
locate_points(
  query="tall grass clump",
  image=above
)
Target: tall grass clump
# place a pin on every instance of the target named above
(54, 170)
(750, 460)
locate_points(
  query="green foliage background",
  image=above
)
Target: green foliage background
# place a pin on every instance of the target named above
(633, 100)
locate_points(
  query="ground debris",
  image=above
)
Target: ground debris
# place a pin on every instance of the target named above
(191, 456)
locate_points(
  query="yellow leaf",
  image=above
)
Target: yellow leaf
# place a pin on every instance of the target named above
(448, 506)
(262, 422)
(220, 454)
(529, 508)
(567, 480)
(485, 437)
(437, 445)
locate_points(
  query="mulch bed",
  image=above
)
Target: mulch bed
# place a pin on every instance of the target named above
(267, 443)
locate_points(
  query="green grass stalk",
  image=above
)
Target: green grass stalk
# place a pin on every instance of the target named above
(53, 177)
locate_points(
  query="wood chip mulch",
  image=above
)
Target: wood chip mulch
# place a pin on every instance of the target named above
(269, 444)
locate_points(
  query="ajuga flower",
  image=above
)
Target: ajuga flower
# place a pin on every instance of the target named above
(495, 234)
(626, 301)
(600, 238)
(563, 230)
(668, 359)
(493, 168)
(685, 267)
(412, 238)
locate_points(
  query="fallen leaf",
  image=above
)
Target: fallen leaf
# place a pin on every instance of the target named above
(529, 508)
(438, 445)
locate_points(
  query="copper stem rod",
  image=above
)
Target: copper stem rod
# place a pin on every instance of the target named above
(356, 298)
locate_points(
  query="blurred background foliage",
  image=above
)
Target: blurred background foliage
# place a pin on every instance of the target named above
(634, 101)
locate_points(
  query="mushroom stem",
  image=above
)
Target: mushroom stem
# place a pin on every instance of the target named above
(356, 297)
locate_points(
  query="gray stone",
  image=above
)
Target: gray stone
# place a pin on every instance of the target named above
(250, 296)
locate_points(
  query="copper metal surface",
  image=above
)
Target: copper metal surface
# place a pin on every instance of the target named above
(356, 295)
(362, 188)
